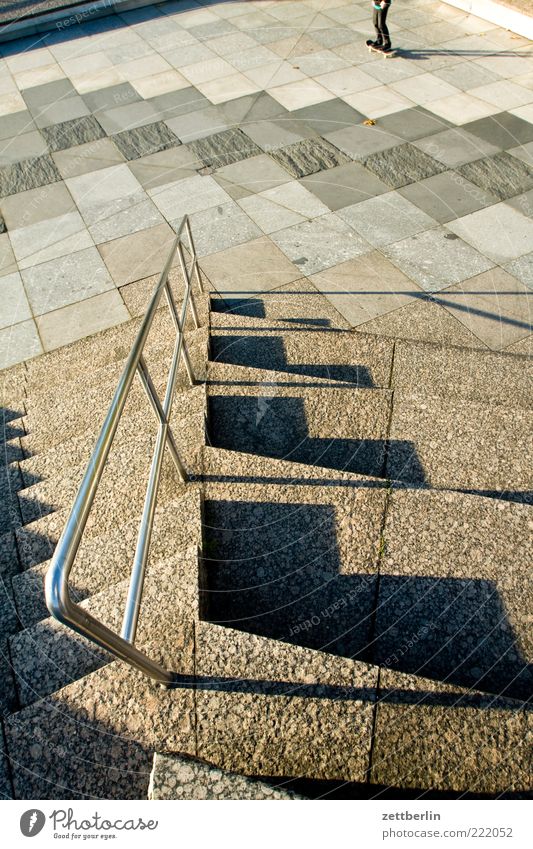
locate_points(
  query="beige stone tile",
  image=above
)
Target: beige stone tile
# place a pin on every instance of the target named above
(380, 101)
(162, 83)
(253, 267)
(11, 102)
(227, 88)
(18, 343)
(14, 306)
(39, 76)
(300, 94)
(138, 255)
(81, 319)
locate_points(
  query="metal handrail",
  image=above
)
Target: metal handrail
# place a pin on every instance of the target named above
(57, 591)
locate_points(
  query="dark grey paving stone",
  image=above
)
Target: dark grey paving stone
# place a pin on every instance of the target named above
(360, 141)
(455, 146)
(253, 107)
(329, 116)
(447, 196)
(224, 148)
(523, 203)
(309, 156)
(143, 141)
(128, 117)
(503, 175)
(72, 133)
(176, 103)
(333, 36)
(344, 186)
(62, 110)
(503, 130)
(29, 174)
(108, 98)
(198, 124)
(277, 133)
(411, 124)
(16, 123)
(37, 97)
(214, 29)
(402, 165)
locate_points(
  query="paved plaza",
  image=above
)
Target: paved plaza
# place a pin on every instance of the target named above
(402, 188)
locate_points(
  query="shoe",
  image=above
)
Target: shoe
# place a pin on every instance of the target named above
(370, 43)
(384, 48)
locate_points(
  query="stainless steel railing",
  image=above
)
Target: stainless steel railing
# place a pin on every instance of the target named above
(58, 599)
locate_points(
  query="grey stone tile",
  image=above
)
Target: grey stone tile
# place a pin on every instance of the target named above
(15, 307)
(137, 216)
(256, 174)
(128, 117)
(499, 231)
(455, 147)
(224, 148)
(503, 130)
(177, 103)
(283, 206)
(466, 75)
(523, 152)
(143, 141)
(502, 175)
(72, 133)
(309, 157)
(84, 158)
(221, 227)
(321, 243)
(495, 306)
(333, 36)
(360, 141)
(252, 107)
(344, 186)
(62, 110)
(212, 29)
(25, 146)
(24, 208)
(37, 97)
(167, 166)
(16, 123)
(29, 174)
(328, 117)
(435, 259)
(193, 194)
(46, 240)
(386, 218)
(104, 99)
(198, 124)
(103, 193)
(66, 280)
(411, 124)
(447, 196)
(402, 165)
(18, 343)
(279, 132)
(522, 269)
(8, 264)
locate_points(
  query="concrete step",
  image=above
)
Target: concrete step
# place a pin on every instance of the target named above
(107, 559)
(365, 361)
(178, 777)
(291, 551)
(443, 442)
(296, 303)
(341, 428)
(49, 656)
(126, 473)
(92, 352)
(456, 591)
(110, 722)
(50, 425)
(13, 391)
(75, 451)
(450, 372)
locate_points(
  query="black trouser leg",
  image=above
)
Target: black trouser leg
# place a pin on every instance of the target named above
(380, 24)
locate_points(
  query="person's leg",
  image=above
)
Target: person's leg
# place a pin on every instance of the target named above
(375, 21)
(383, 28)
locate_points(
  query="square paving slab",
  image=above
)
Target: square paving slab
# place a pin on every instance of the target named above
(515, 232)
(167, 166)
(29, 174)
(321, 243)
(221, 227)
(18, 343)
(261, 264)
(71, 133)
(455, 147)
(447, 196)
(223, 148)
(502, 175)
(24, 208)
(84, 158)
(138, 255)
(522, 269)
(386, 218)
(435, 259)
(129, 116)
(360, 141)
(62, 110)
(40, 96)
(16, 123)
(198, 124)
(279, 132)
(188, 196)
(256, 174)
(402, 165)
(502, 130)
(328, 117)
(411, 124)
(284, 206)
(62, 281)
(25, 146)
(344, 186)
(107, 98)
(145, 140)
(309, 157)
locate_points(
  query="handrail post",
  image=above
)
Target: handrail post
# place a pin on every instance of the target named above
(193, 254)
(153, 397)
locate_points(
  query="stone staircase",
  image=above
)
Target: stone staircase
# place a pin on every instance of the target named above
(344, 584)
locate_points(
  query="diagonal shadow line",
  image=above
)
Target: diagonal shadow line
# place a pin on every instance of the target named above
(268, 687)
